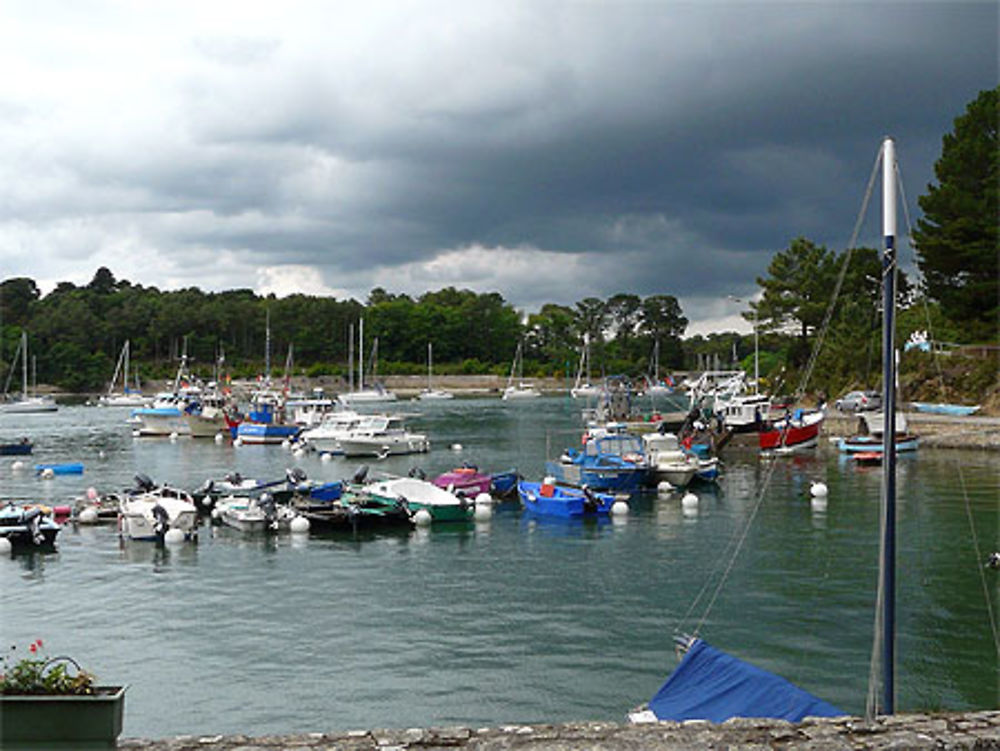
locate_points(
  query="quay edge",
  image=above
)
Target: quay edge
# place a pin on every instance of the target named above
(968, 730)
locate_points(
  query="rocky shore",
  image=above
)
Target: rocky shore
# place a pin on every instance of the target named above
(970, 730)
(935, 431)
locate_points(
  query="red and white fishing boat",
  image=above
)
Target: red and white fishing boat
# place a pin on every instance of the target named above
(800, 430)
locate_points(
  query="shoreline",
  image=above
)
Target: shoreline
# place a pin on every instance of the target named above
(967, 730)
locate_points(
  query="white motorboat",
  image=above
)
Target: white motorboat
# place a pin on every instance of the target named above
(335, 426)
(249, 514)
(150, 512)
(383, 436)
(668, 461)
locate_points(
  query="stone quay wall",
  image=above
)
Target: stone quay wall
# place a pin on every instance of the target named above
(970, 730)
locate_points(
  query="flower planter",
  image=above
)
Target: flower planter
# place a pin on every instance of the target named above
(54, 721)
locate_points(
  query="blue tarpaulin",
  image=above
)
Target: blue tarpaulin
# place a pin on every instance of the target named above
(712, 685)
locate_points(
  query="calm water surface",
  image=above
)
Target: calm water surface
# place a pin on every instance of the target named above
(514, 620)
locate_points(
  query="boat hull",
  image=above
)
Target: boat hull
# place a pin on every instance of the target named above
(561, 501)
(856, 444)
(384, 446)
(265, 434)
(793, 433)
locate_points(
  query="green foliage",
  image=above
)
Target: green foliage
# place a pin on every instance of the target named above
(36, 674)
(957, 238)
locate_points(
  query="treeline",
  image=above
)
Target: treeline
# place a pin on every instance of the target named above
(76, 332)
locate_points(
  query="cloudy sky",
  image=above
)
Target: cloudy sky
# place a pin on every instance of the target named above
(549, 151)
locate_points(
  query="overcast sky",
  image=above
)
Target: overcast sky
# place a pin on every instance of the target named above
(548, 151)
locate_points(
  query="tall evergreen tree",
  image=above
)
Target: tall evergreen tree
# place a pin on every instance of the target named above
(956, 240)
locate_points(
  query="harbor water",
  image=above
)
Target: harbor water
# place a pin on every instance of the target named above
(514, 620)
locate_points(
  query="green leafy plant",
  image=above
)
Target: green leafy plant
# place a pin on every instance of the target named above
(37, 674)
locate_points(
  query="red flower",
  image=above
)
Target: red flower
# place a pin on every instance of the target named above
(33, 647)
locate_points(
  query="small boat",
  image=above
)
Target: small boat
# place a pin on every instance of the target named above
(27, 527)
(354, 511)
(519, 390)
(430, 393)
(375, 393)
(504, 484)
(800, 430)
(66, 468)
(16, 448)
(419, 494)
(548, 498)
(582, 387)
(127, 397)
(266, 424)
(148, 512)
(867, 458)
(608, 460)
(27, 403)
(869, 443)
(467, 480)
(955, 410)
(249, 514)
(668, 461)
(326, 436)
(383, 436)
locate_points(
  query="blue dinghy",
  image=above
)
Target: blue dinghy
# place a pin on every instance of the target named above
(550, 499)
(67, 468)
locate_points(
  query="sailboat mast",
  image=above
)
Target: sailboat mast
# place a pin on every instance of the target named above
(267, 346)
(361, 355)
(24, 364)
(889, 424)
(350, 357)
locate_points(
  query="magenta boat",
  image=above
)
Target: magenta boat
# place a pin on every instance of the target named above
(467, 480)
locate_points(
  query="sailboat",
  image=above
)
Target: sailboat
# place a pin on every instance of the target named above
(583, 387)
(28, 403)
(127, 397)
(709, 684)
(430, 393)
(654, 385)
(373, 394)
(519, 390)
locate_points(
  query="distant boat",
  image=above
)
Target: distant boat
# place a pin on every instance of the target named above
(583, 387)
(27, 403)
(16, 448)
(955, 410)
(383, 436)
(374, 394)
(430, 393)
(800, 430)
(520, 389)
(127, 397)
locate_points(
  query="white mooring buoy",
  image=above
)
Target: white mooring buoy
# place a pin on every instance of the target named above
(88, 516)
(690, 500)
(422, 518)
(818, 490)
(619, 508)
(173, 537)
(299, 525)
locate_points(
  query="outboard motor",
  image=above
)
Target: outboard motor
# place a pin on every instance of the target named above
(295, 475)
(161, 522)
(234, 478)
(360, 474)
(33, 519)
(144, 483)
(590, 502)
(418, 473)
(270, 509)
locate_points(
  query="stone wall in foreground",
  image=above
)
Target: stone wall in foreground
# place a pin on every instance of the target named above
(972, 730)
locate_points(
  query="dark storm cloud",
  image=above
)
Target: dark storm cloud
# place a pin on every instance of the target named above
(651, 148)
